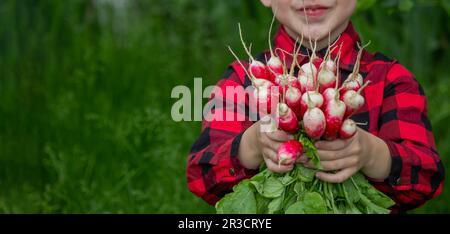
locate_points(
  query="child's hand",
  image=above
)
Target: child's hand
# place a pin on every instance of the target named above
(268, 143)
(259, 143)
(341, 159)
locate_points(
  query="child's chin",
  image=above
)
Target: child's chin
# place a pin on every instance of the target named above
(315, 32)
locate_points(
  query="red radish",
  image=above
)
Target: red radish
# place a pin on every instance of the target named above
(257, 68)
(293, 100)
(291, 79)
(294, 82)
(351, 84)
(327, 71)
(274, 68)
(331, 93)
(264, 98)
(286, 119)
(334, 114)
(263, 90)
(314, 121)
(282, 82)
(261, 82)
(308, 71)
(264, 95)
(306, 79)
(326, 79)
(313, 98)
(354, 100)
(354, 80)
(334, 111)
(348, 129)
(330, 65)
(328, 94)
(257, 82)
(293, 94)
(274, 65)
(289, 151)
(286, 81)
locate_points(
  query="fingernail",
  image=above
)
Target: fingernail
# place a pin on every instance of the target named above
(317, 144)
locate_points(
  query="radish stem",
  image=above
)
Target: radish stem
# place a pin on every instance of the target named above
(239, 61)
(243, 43)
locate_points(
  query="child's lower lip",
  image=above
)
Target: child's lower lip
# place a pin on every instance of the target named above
(314, 13)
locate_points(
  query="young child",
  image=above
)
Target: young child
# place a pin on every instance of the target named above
(395, 150)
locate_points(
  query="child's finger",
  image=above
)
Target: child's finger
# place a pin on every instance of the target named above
(326, 155)
(309, 164)
(269, 143)
(272, 166)
(338, 164)
(279, 136)
(338, 177)
(333, 145)
(302, 159)
(270, 154)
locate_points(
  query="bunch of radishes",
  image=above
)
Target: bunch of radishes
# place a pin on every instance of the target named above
(311, 100)
(312, 104)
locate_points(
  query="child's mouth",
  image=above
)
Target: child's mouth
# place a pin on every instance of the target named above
(314, 12)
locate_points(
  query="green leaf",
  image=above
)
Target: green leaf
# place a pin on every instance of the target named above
(372, 208)
(258, 186)
(352, 192)
(262, 167)
(275, 205)
(373, 194)
(306, 174)
(341, 207)
(241, 201)
(310, 150)
(260, 177)
(352, 209)
(258, 180)
(360, 179)
(291, 199)
(262, 204)
(299, 188)
(314, 203)
(296, 208)
(378, 198)
(286, 180)
(272, 188)
(337, 191)
(311, 203)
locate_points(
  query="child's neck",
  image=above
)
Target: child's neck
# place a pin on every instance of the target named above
(323, 42)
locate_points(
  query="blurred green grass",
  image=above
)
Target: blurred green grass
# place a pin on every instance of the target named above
(85, 88)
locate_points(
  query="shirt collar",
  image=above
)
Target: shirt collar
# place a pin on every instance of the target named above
(349, 39)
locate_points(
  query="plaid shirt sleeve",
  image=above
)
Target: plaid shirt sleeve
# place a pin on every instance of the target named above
(213, 166)
(417, 172)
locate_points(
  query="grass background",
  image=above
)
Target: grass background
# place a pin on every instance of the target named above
(85, 89)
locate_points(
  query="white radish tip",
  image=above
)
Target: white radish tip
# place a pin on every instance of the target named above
(282, 109)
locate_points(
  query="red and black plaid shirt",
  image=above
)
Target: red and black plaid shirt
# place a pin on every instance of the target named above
(395, 110)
